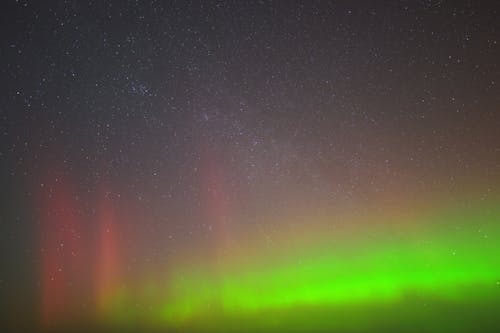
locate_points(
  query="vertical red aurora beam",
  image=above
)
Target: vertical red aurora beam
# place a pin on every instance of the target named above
(107, 266)
(215, 198)
(62, 259)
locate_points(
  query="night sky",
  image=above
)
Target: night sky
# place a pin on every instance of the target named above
(219, 164)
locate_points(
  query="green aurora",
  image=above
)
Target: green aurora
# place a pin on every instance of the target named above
(382, 277)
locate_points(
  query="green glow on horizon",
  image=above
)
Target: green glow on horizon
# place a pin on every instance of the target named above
(455, 252)
(350, 279)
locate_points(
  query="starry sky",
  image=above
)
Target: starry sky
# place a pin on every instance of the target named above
(214, 140)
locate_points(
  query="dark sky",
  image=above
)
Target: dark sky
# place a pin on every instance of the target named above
(193, 112)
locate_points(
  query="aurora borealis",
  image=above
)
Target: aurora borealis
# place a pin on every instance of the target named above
(435, 257)
(250, 166)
